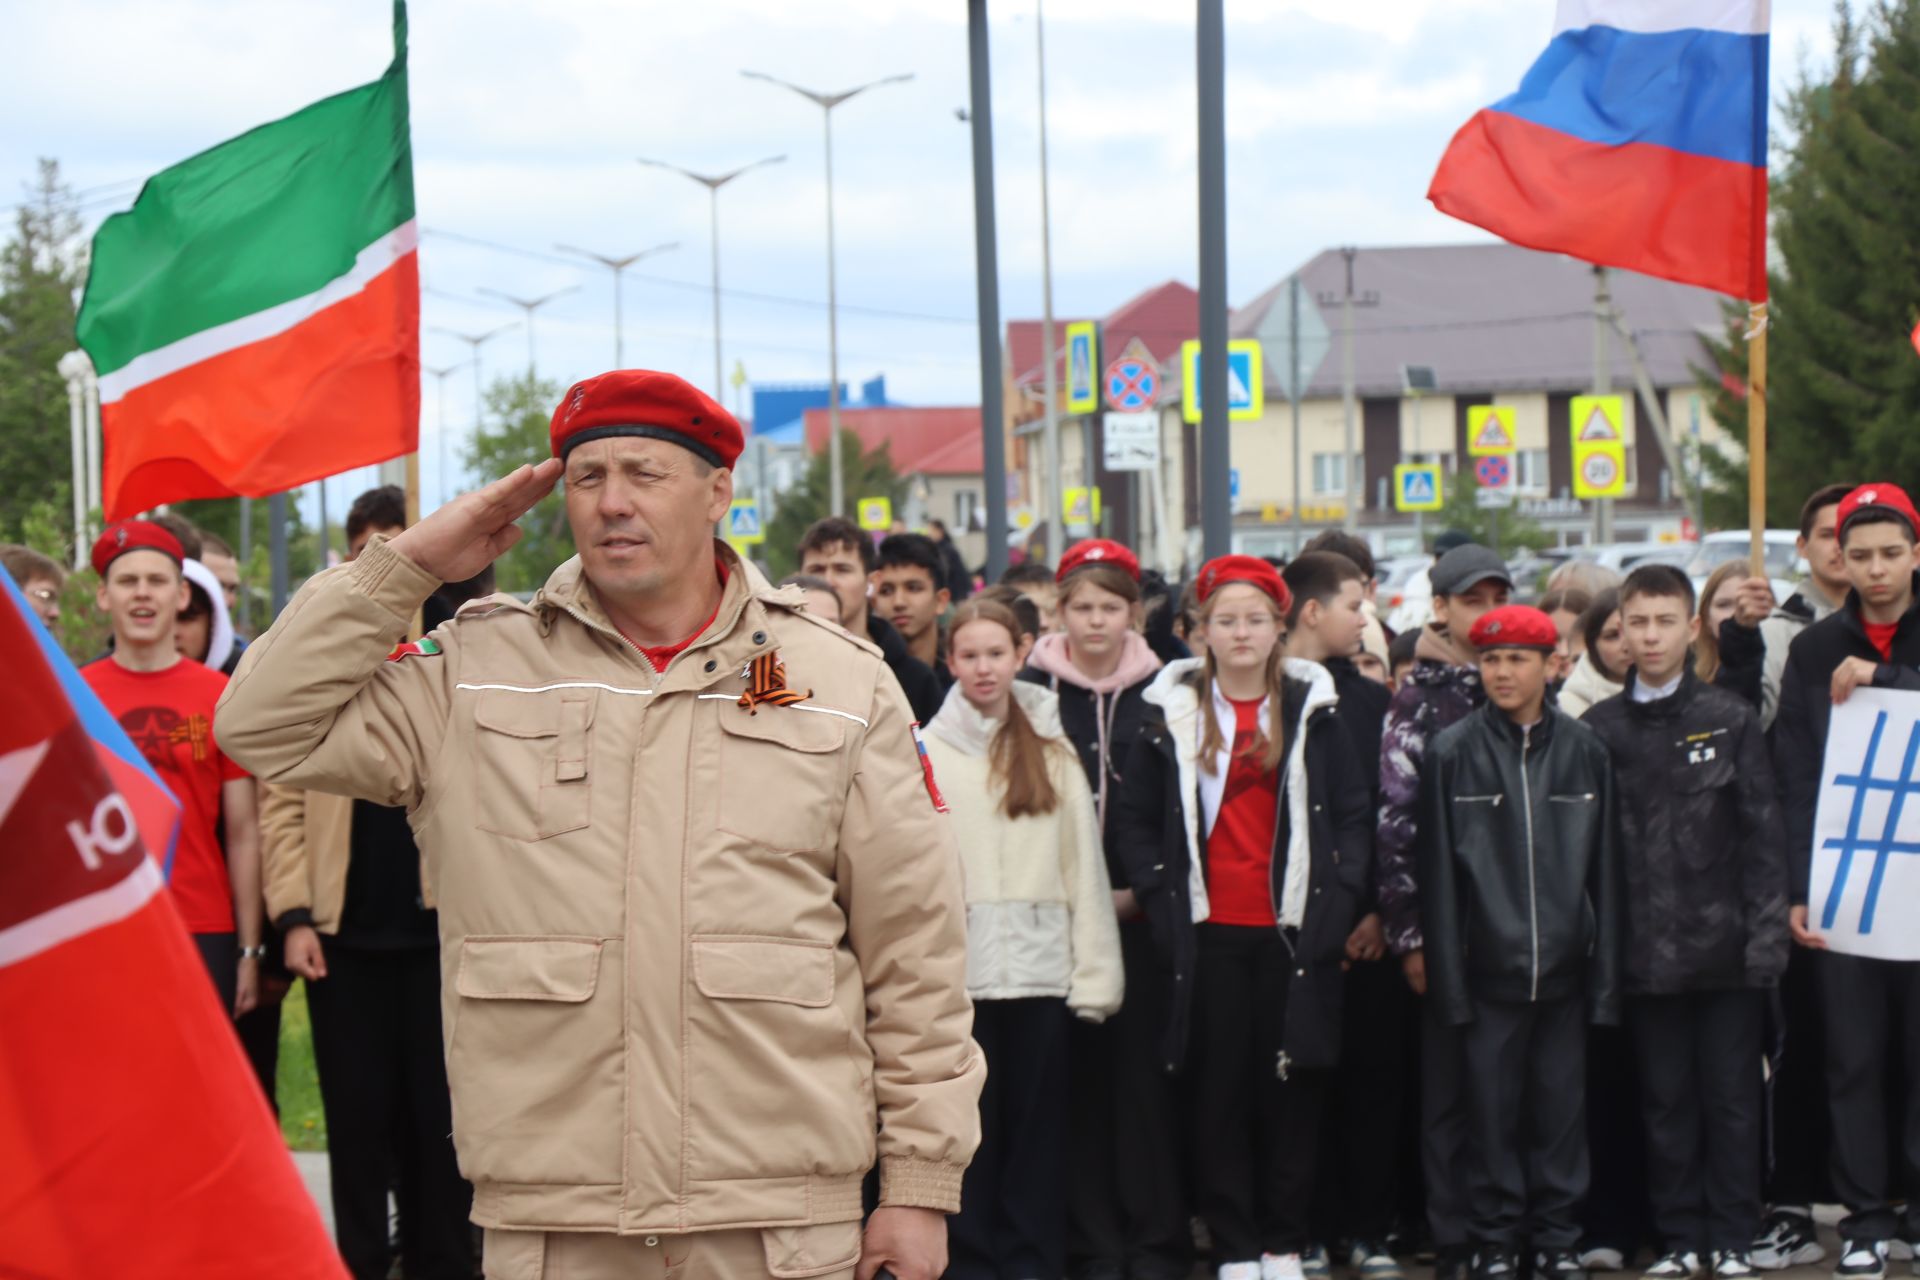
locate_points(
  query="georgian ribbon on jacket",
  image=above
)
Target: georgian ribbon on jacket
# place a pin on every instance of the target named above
(767, 684)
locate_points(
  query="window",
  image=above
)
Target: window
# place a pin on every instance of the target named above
(1329, 473)
(1530, 471)
(967, 516)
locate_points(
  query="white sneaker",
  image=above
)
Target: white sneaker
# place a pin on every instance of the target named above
(1602, 1258)
(1239, 1271)
(1281, 1266)
(1862, 1260)
(1900, 1250)
(1682, 1264)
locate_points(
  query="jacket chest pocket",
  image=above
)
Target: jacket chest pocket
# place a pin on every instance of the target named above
(531, 756)
(780, 775)
(1702, 764)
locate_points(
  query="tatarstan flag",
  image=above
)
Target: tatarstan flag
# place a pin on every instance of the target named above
(254, 319)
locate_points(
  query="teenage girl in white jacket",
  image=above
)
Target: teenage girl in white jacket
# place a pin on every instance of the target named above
(1042, 942)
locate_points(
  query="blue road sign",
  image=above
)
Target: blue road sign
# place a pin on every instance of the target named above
(743, 521)
(1233, 484)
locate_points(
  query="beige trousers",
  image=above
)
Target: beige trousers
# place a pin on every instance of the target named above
(828, 1251)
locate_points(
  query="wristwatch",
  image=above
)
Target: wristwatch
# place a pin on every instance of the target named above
(254, 953)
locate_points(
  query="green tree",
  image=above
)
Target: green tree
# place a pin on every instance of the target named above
(867, 473)
(1502, 528)
(1844, 384)
(519, 411)
(39, 273)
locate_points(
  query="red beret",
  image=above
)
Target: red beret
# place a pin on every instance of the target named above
(1879, 497)
(1098, 551)
(133, 535)
(641, 402)
(1515, 626)
(1224, 571)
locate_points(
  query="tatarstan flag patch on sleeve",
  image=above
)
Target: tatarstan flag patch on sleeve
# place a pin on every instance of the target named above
(926, 768)
(425, 647)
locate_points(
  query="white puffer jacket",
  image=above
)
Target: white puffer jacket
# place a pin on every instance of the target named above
(1584, 687)
(1040, 916)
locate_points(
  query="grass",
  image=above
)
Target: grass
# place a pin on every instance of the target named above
(302, 1121)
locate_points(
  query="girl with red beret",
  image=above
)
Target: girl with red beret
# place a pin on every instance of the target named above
(1244, 827)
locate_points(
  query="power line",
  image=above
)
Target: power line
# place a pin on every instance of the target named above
(777, 299)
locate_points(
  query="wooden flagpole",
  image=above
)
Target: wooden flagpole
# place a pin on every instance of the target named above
(418, 626)
(1757, 436)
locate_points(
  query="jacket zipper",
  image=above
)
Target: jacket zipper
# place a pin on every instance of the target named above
(1533, 889)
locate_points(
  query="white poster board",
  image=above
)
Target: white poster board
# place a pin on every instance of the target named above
(1864, 894)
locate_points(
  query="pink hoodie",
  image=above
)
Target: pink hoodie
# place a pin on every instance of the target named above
(1137, 662)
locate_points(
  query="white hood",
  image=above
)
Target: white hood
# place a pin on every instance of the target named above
(960, 725)
(220, 635)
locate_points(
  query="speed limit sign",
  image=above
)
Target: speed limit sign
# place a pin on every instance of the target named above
(1600, 470)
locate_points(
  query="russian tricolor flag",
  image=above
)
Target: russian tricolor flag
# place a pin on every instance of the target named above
(1637, 140)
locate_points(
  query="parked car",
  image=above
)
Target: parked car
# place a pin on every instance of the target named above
(1405, 595)
(1784, 564)
(1624, 557)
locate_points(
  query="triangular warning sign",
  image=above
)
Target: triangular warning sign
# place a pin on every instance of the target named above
(1598, 427)
(1493, 434)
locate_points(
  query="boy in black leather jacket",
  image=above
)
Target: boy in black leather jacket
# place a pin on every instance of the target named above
(1523, 921)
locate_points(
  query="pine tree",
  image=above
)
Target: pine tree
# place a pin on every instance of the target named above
(39, 272)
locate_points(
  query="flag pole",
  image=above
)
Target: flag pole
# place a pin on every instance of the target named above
(418, 627)
(1757, 436)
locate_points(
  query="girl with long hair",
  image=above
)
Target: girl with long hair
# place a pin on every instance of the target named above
(1601, 670)
(1244, 824)
(1716, 606)
(1042, 943)
(1127, 1204)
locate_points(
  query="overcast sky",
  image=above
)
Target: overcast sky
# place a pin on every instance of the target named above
(528, 116)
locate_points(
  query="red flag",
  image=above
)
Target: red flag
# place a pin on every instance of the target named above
(133, 1137)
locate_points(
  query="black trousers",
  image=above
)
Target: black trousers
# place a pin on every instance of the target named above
(220, 953)
(1526, 1104)
(383, 1086)
(1444, 1151)
(1127, 1186)
(1700, 1084)
(1256, 1135)
(1872, 1009)
(1616, 1212)
(1358, 1190)
(1798, 1133)
(1013, 1214)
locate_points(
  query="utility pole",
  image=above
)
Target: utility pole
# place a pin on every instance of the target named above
(440, 377)
(827, 102)
(986, 270)
(618, 265)
(1216, 461)
(476, 341)
(713, 182)
(1602, 385)
(1053, 493)
(1293, 385)
(1349, 395)
(529, 305)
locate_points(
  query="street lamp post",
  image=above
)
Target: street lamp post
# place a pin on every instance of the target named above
(713, 182)
(440, 377)
(529, 305)
(616, 265)
(476, 341)
(827, 102)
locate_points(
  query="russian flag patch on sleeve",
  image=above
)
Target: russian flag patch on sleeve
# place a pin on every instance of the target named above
(926, 767)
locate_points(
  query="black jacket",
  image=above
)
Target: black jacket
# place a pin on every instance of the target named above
(1519, 866)
(1701, 848)
(1126, 716)
(1800, 727)
(917, 680)
(1147, 836)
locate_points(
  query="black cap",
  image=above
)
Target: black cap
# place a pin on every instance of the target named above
(1464, 566)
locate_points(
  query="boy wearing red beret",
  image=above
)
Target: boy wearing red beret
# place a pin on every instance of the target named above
(1521, 911)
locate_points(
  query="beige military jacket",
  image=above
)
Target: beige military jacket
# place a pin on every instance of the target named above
(697, 957)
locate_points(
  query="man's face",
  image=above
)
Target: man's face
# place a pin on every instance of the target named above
(143, 594)
(905, 595)
(1660, 631)
(1341, 620)
(1515, 679)
(358, 542)
(226, 570)
(642, 513)
(44, 595)
(841, 565)
(1825, 560)
(1459, 612)
(1880, 561)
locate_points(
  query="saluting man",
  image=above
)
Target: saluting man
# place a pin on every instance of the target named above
(700, 915)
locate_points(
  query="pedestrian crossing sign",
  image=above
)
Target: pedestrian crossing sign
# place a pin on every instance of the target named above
(743, 523)
(1416, 486)
(1080, 508)
(1490, 430)
(1246, 388)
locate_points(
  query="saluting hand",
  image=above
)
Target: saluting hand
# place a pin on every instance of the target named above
(475, 529)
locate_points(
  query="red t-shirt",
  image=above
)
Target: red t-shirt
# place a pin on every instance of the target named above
(1881, 634)
(661, 655)
(1240, 846)
(169, 716)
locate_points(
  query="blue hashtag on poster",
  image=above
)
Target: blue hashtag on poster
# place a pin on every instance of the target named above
(1886, 845)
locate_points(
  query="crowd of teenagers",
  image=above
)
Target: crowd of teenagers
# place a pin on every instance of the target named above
(1294, 945)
